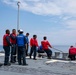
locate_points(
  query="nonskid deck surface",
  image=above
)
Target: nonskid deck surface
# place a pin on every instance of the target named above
(41, 66)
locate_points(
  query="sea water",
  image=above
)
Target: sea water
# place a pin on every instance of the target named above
(63, 48)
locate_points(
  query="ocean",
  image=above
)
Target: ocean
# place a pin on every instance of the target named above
(63, 48)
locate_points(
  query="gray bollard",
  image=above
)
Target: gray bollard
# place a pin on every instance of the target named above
(65, 55)
(57, 54)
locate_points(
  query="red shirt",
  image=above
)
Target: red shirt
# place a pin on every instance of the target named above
(5, 43)
(13, 38)
(33, 42)
(45, 44)
(72, 51)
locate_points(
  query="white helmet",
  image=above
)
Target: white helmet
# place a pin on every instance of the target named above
(20, 30)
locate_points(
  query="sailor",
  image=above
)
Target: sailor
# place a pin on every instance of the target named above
(21, 43)
(13, 47)
(27, 43)
(45, 45)
(33, 45)
(72, 53)
(6, 46)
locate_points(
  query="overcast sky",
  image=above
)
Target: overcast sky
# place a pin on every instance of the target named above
(55, 19)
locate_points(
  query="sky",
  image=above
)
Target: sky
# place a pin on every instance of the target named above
(55, 19)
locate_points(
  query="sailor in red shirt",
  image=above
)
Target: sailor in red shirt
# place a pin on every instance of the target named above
(33, 45)
(45, 45)
(6, 47)
(13, 47)
(72, 52)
